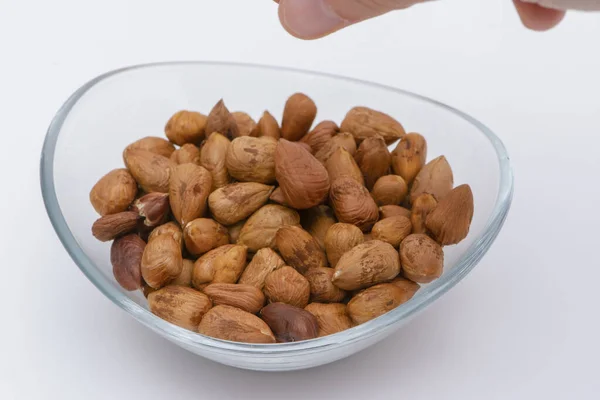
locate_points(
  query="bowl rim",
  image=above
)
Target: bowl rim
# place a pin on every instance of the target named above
(190, 339)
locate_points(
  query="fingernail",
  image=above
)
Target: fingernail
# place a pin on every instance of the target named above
(310, 18)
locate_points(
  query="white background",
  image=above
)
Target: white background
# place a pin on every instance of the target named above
(524, 324)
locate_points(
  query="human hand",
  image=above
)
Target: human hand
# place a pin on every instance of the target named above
(311, 19)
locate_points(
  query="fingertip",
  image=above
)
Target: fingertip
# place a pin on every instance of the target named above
(309, 19)
(538, 18)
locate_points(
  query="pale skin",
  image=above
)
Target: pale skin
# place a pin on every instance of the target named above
(312, 19)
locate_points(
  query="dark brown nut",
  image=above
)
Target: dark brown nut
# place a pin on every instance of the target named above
(316, 221)
(390, 211)
(302, 179)
(126, 257)
(263, 263)
(332, 318)
(364, 123)
(220, 120)
(321, 288)
(114, 192)
(422, 206)
(289, 323)
(435, 178)
(186, 127)
(234, 231)
(300, 249)
(373, 158)
(170, 229)
(188, 153)
(409, 156)
(450, 221)
(321, 135)
(230, 323)
(267, 126)
(151, 171)
(422, 258)
(179, 305)
(185, 277)
(353, 204)
(212, 157)
(153, 208)
(111, 226)
(375, 301)
(392, 230)
(342, 164)
(221, 265)
(203, 234)
(298, 116)
(237, 201)
(260, 229)
(154, 145)
(251, 159)
(389, 190)
(339, 239)
(344, 140)
(244, 122)
(367, 264)
(286, 285)
(188, 192)
(244, 297)
(162, 261)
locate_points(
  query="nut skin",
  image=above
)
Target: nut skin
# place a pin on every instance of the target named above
(170, 229)
(316, 221)
(321, 135)
(299, 249)
(220, 120)
(267, 126)
(234, 231)
(114, 192)
(251, 159)
(203, 234)
(244, 297)
(212, 157)
(435, 178)
(289, 323)
(286, 285)
(450, 221)
(154, 145)
(151, 171)
(367, 264)
(364, 123)
(244, 122)
(343, 139)
(298, 116)
(188, 192)
(353, 204)
(409, 156)
(422, 258)
(332, 318)
(186, 127)
(153, 208)
(422, 206)
(162, 261)
(389, 190)
(392, 230)
(237, 201)
(230, 323)
(373, 158)
(126, 257)
(342, 164)
(409, 287)
(179, 305)
(260, 229)
(221, 265)
(375, 301)
(339, 239)
(321, 288)
(303, 180)
(188, 153)
(111, 226)
(278, 197)
(391, 210)
(185, 277)
(263, 263)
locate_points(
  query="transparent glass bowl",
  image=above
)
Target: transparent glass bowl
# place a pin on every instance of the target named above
(86, 138)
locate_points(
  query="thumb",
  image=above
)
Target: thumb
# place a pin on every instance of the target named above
(311, 19)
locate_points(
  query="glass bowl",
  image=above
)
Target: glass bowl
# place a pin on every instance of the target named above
(86, 138)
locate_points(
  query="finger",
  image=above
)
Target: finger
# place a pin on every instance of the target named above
(311, 19)
(537, 17)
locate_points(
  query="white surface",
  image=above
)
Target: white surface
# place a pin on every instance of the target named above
(523, 325)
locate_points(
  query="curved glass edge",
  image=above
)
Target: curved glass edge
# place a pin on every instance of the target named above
(191, 339)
